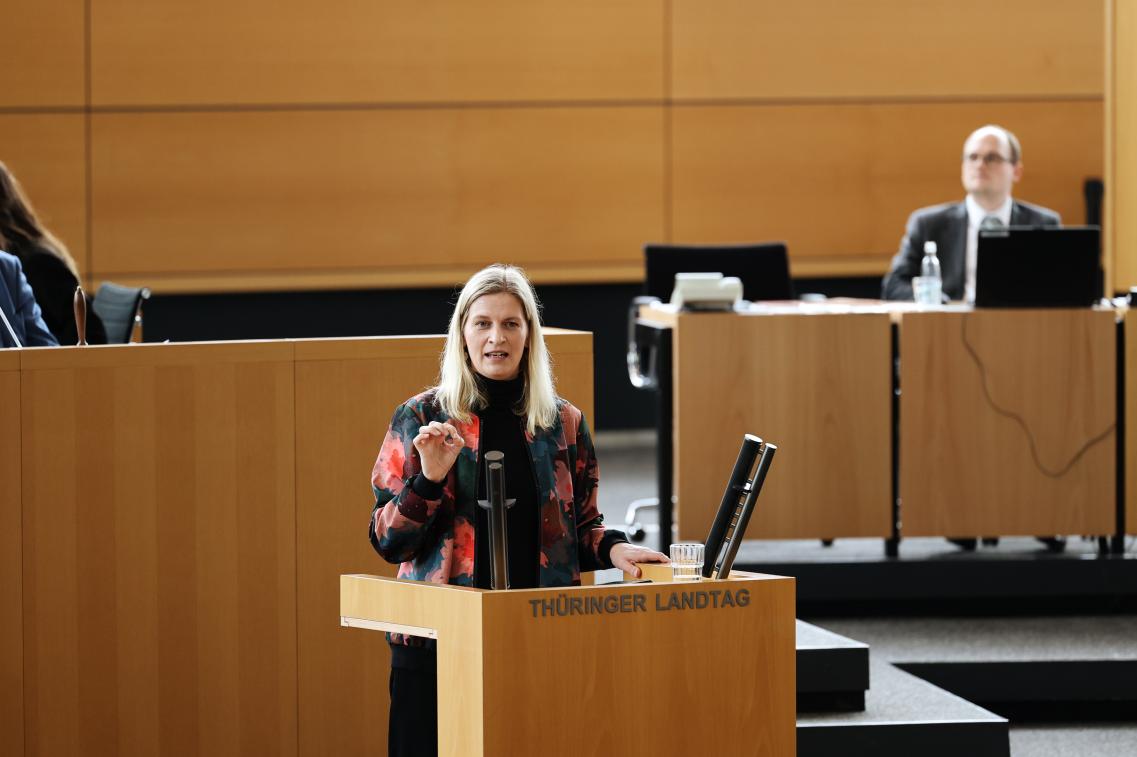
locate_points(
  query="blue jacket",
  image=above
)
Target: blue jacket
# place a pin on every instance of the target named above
(20, 308)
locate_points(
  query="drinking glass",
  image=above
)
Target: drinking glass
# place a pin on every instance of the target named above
(686, 561)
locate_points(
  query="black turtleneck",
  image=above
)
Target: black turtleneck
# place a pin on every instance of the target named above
(502, 429)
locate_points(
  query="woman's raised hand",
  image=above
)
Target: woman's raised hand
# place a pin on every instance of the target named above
(438, 445)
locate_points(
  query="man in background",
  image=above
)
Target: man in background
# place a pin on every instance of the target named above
(992, 163)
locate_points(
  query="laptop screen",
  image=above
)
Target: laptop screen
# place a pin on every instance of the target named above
(1038, 267)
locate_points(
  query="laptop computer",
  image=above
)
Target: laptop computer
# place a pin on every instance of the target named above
(1038, 267)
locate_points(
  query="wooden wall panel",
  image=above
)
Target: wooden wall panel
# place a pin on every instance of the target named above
(1120, 224)
(886, 48)
(363, 193)
(352, 51)
(346, 391)
(838, 181)
(46, 153)
(11, 555)
(407, 144)
(159, 550)
(44, 50)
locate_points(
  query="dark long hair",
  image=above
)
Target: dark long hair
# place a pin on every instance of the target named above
(19, 223)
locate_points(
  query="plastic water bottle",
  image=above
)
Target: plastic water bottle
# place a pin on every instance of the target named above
(930, 288)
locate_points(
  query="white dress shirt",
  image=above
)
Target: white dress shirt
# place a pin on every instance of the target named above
(975, 215)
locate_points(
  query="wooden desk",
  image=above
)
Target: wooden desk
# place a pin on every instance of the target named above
(171, 541)
(1007, 422)
(1006, 418)
(11, 599)
(817, 382)
(1130, 329)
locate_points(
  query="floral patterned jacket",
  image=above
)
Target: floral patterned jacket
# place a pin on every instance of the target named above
(434, 539)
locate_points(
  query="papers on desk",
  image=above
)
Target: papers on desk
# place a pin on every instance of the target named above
(842, 305)
(831, 306)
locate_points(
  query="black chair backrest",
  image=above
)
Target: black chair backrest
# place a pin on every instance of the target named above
(1093, 189)
(117, 306)
(764, 268)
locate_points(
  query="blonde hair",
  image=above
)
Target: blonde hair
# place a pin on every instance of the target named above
(458, 390)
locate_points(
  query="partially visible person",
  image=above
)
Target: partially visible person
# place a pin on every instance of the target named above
(992, 163)
(22, 324)
(49, 267)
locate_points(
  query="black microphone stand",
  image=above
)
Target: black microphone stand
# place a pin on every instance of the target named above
(497, 504)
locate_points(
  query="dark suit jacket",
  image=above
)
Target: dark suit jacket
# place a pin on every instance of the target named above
(54, 284)
(19, 305)
(946, 225)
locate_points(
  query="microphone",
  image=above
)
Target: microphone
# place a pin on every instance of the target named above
(742, 514)
(733, 515)
(497, 504)
(736, 486)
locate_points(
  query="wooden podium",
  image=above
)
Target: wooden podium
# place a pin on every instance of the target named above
(654, 669)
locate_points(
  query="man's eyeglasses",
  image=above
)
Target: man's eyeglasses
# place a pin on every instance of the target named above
(989, 159)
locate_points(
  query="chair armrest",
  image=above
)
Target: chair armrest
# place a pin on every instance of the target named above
(640, 378)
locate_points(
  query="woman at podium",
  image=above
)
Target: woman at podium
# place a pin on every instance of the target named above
(495, 393)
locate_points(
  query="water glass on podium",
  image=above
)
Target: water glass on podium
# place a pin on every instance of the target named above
(686, 561)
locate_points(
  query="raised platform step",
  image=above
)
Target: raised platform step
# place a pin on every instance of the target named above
(1078, 668)
(904, 716)
(832, 671)
(1070, 690)
(931, 576)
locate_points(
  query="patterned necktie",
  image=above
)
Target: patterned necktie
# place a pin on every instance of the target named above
(991, 223)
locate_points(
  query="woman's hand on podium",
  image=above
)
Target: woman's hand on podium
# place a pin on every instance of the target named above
(625, 556)
(438, 445)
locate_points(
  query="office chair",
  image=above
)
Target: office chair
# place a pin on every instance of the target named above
(1093, 190)
(120, 309)
(764, 269)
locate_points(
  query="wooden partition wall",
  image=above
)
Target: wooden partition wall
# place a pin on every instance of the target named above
(1120, 233)
(159, 560)
(174, 520)
(269, 145)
